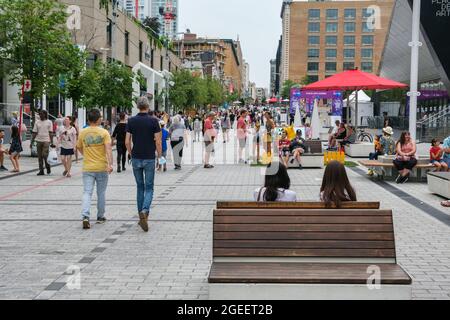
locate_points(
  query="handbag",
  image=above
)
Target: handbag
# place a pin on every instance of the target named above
(52, 158)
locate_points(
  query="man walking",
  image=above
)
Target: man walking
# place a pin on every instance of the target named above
(42, 134)
(143, 139)
(94, 143)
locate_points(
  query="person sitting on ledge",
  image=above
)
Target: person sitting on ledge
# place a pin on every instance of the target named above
(350, 136)
(339, 135)
(336, 187)
(406, 158)
(276, 185)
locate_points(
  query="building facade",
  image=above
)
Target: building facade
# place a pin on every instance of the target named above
(273, 71)
(321, 38)
(164, 9)
(141, 11)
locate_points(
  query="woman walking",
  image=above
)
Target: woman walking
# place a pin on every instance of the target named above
(119, 134)
(225, 123)
(270, 126)
(177, 131)
(67, 140)
(15, 148)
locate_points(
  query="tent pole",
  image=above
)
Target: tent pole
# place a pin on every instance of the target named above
(356, 109)
(348, 109)
(415, 44)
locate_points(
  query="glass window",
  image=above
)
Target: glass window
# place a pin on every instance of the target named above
(331, 40)
(349, 27)
(314, 14)
(313, 78)
(330, 66)
(313, 27)
(366, 13)
(349, 65)
(313, 40)
(313, 66)
(313, 53)
(367, 40)
(349, 53)
(367, 53)
(350, 14)
(349, 40)
(332, 14)
(366, 27)
(332, 27)
(330, 53)
(367, 66)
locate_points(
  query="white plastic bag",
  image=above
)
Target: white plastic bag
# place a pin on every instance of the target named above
(52, 156)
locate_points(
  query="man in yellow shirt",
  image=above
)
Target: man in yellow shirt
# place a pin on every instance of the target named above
(94, 143)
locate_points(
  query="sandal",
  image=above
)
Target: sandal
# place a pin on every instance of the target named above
(446, 204)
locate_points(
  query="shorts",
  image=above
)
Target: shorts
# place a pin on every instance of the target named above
(402, 165)
(67, 152)
(446, 160)
(242, 143)
(285, 153)
(209, 146)
(433, 161)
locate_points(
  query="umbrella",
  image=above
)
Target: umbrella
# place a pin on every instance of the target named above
(354, 80)
(237, 102)
(272, 100)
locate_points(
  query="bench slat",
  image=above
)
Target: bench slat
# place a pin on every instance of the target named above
(304, 219)
(324, 273)
(297, 212)
(293, 205)
(304, 244)
(386, 236)
(255, 227)
(259, 252)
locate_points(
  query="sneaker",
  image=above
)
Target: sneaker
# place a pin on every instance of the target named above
(370, 173)
(208, 166)
(143, 221)
(124, 169)
(49, 170)
(2, 168)
(300, 167)
(64, 173)
(118, 170)
(101, 220)
(86, 224)
(405, 179)
(399, 177)
(41, 173)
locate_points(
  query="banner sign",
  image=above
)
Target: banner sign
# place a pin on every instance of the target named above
(306, 99)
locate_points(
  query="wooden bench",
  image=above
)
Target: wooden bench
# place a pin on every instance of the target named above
(387, 170)
(268, 253)
(294, 205)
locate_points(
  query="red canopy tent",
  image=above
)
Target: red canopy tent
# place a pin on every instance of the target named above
(354, 80)
(272, 100)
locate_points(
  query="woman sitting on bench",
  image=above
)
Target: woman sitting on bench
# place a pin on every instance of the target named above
(276, 185)
(336, 187)
(406, 159)
(339, 135)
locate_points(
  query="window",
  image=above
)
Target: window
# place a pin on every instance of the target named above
(349, 40)
(349, 66)
(367, 40)
(331, 40)
(350, 14)
(313, 66)
(141, 45)
(332, 27)
(313, 53)
(366, 27)
(367, 13)
(161, 63)
(330, 53)
(349, 27)
(127, 43)
(313, 40)
(330, 66)
(349, 53)
(332, 14)
(313, 78)
(314, 14)
(313, 27)
(109, 32)
(152, 56)
(367, 66)
(367, 53)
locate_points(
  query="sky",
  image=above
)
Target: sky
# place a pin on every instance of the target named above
(257, 22)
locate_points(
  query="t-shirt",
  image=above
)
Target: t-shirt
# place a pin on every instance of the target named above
(241, 128)
(436, 151)
(283, 143)
(143, 128)
(68, 137)
(93, 140)
(446, 145)
(284, 195)
(120, 132)
(165, 136)
(42, 128)
(210, 132)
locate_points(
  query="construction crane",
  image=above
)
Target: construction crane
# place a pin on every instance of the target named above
(168, 12)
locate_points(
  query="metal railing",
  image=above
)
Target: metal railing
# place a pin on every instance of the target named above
(436, 126)
(377, 122)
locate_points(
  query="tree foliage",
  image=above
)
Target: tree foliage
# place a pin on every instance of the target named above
(286, 89)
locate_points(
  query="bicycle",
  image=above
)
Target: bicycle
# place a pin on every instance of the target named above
(364, 136)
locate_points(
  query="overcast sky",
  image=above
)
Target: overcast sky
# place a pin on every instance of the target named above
(257, 22)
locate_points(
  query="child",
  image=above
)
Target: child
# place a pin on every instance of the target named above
(257, 141)
(2, 151)
(15, 149)
(284, 148)
(436, 156)
(165, 137)
(308, 132)
(378, 152)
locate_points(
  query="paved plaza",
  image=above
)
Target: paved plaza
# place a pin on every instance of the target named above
(42, 243)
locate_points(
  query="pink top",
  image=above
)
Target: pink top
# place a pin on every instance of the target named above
(408, 147)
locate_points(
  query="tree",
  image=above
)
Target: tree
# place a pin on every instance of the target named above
(286, 89)
(116, 83)
(306, 80)
(35, 45)
(152, 25)
(216, 95)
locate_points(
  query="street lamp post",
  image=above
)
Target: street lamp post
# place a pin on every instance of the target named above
(415, 44)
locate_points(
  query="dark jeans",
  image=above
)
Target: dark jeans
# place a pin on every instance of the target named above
(144, 174)
(374, 155)
(177, 149)
(42, 152)
(121, 155)
(402, 165)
